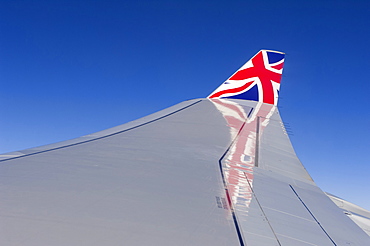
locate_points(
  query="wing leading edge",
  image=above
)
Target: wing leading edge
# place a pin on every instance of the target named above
(215, 171)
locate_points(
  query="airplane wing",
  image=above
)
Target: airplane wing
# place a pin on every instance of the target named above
(359, 215)
(214, 171)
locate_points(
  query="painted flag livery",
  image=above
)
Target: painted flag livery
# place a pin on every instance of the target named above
(257, 80)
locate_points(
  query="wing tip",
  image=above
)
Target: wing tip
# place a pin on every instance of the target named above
(274, 51)
(250, 81)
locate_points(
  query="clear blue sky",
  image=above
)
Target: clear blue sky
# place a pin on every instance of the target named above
(69, 68)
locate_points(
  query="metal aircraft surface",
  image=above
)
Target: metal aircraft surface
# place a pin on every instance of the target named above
(214, 171)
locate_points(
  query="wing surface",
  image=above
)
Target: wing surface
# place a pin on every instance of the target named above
(214, 171)
(359, 215)
(274, 199)
(153, 182)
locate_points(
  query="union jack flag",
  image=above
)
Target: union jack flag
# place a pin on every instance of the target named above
(257, 80)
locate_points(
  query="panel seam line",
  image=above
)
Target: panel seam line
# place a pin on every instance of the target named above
(263, 212)
(309, 211)
(238, 231)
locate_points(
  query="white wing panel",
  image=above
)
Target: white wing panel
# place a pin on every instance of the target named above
(271, 190)
(356, 213)
(204, 172)
(156, 184)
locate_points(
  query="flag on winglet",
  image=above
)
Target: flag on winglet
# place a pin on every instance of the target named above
(257, 80)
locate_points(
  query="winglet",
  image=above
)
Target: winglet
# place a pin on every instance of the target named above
(257, 80)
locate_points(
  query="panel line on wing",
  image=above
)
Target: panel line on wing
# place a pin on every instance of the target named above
(256, 154)
(106, 136)
(313, 216)
(263, 212)
(239, 232)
